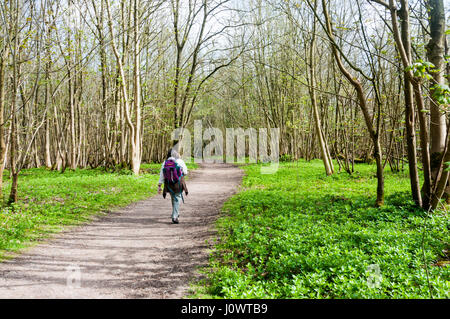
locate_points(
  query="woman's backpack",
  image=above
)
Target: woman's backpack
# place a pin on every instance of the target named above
(172, 176)
(172, 172)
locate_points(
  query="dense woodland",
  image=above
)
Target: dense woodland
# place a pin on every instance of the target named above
(90, 83)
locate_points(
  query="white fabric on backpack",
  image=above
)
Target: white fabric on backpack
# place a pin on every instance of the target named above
(180, 163)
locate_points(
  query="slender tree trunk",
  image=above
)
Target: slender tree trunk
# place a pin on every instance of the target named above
(136, 143)
(322, 144)
(425, 146)
(409, 113)
(47, 156)
(14, 172)
(72, 123)
(179, 49)
(2, 121)
(13, 149)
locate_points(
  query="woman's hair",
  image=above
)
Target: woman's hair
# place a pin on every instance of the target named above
(173, 153)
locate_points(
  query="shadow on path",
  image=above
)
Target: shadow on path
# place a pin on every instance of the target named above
(133, 253)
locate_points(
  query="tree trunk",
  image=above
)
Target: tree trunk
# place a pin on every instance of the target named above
(136, 143)
(409, 113)
(426, 189)
(424, 145)
(2, 120)
(435, 54)
(322, 143)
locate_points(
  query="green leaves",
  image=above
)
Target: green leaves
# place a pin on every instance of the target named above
(295, 234)
(441, 94)
(421, 69)
(448, 166)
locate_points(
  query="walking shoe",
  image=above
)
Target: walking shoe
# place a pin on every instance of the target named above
(175, 220)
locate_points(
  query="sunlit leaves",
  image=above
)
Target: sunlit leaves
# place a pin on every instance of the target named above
(421, 69)
(441, 94)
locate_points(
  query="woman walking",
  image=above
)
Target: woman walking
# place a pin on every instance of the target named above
(172, 174)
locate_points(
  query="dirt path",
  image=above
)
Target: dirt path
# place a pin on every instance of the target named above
(133, 253)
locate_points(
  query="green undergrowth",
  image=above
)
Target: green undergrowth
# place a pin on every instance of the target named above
(49, 200)
(299, 234)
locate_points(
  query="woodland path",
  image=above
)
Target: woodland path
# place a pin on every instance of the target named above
(135, 252)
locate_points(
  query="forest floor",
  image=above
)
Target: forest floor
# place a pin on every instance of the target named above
(135, 252)
(301, 234)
